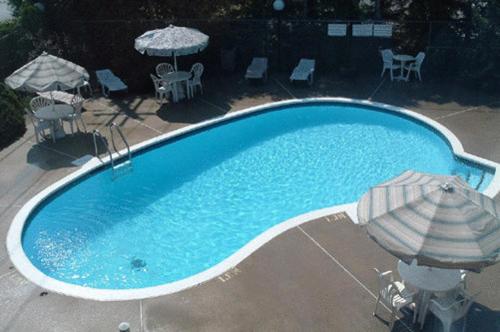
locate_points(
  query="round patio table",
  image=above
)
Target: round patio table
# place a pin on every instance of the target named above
(403, 59)
(428, 280)
(176, 78)
(53, 113)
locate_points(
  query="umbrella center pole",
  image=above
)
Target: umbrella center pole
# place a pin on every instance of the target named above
(446, 187)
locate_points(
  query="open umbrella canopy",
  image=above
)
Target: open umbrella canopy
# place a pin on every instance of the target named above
(171, 41)
(47, 73)
(438, 220)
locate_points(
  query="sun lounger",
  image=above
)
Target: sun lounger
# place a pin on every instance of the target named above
(257, 69)
(304, 71)
(109, 82)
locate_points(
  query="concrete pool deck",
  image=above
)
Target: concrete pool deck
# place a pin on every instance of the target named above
(314, 277)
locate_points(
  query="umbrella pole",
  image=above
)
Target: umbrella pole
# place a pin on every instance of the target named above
(175, 62)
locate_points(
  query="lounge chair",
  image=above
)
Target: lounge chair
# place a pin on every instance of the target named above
(109, 82)
(304, 71)
(257, 69)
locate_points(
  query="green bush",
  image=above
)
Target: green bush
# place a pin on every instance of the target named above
(12, 123)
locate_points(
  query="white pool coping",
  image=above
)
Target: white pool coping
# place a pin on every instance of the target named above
(27, 269)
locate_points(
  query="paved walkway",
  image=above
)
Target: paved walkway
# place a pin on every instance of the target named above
(314, 277)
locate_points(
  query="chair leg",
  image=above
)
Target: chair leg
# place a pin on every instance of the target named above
(37, 133)
(83, 124)
(393, 319)
(446, 326)
(383, 71)
(392, 75)
(376, 305)
(53, 132)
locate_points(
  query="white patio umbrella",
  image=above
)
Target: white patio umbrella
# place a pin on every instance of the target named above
(171, 41)
(437, 220)
(47, 73)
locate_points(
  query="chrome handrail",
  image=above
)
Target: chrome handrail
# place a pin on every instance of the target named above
(114, 125)
(97, 134)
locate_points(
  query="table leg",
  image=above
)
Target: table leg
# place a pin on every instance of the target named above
(176, 93)
(424, 304)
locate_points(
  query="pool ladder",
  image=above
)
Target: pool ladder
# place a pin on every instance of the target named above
(113, 128)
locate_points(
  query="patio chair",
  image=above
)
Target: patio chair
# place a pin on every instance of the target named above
(163, 69)
(77, 104)
(415, 66)
(109, 82)
(38, 102)
(195, 80)
(393, 294)
(85, 85)
(257, 69)
(304, 71)
(450, 309)
(388, 63)
(162, 88)
(39, 125)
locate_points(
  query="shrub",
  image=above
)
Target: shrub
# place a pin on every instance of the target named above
(12, 123)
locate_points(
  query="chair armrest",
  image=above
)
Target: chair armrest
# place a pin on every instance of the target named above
(396, 290)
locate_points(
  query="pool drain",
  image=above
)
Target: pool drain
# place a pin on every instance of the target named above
(137, 263)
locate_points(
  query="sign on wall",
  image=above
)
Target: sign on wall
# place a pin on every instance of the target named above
(337, 30)
(382, 30)
(362, 30)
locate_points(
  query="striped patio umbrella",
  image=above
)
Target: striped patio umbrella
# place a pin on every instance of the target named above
(438, 220)
(171, 41)
(47, 73)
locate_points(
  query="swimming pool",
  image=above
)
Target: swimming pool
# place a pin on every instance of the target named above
(194, 200)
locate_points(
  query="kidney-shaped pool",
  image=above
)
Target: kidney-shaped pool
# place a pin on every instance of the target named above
(194, 199)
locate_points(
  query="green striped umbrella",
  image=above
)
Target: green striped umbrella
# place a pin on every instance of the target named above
(438, 220)
(47, 73)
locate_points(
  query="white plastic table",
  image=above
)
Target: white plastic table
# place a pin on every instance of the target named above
(54, 113)
(60, 96)
(428, 280)
(403, 59)
(176, 78)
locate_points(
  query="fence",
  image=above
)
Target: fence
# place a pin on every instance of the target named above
(110, 43)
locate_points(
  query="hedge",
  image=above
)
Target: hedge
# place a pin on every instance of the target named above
(12, 122)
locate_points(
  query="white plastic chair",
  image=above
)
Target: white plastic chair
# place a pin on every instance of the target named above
(195, 80)
(162, 88)
(39, 125)
(415, 66)
(451, 309)
(304, 71)
(388, 63)
(38, 102)
(109, 82)
(77, 104)
(163, 69)
(86, 85)
(393, 294)
(257, 69)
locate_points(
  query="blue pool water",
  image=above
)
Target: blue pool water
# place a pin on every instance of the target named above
(192, 202)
